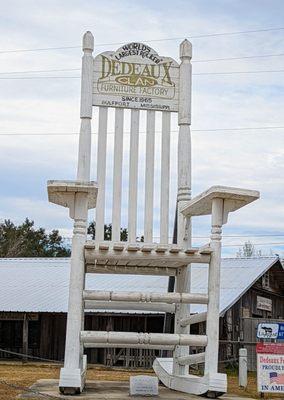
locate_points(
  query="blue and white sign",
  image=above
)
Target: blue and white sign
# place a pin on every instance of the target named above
(270, 331)
(281, 331)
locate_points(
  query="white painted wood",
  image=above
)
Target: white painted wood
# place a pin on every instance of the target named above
(101, 173)
(192, 359)
(130, 306)
(127, 346)
(77, 279)
(142, 246)
(130, 270)
(212, 323)
(133, 176)
(194, 319)
(243, 368)
(63, 192)
(183, 193)
(117, 174)
(198, 385)
(147, 297)
(149, 176)
(112, 88)
(135, 76)
(167, 259)
(235, 198)
(184, 140)
(84, 158)
(181, 285)
(168, 339)
(72, 373)
(165, 177)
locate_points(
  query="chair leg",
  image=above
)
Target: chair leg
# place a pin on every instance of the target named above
(182, 281)
(72, 375)
(212, 323)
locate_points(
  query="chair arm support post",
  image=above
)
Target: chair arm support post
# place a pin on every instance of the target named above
(212, 326)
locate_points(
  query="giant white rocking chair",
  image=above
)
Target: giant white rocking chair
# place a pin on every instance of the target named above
(151, 258)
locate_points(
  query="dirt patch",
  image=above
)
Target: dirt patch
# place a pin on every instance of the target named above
(24, 375)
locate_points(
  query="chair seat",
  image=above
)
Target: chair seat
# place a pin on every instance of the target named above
(141, 258)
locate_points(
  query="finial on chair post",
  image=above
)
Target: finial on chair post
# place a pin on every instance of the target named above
(184, 120)
(88, 41)
(185, 49)
(185, 53)
(84, 157)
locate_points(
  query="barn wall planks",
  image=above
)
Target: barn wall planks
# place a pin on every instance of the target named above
(47, 340)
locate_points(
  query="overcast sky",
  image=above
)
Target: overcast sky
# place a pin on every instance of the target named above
(251, 158)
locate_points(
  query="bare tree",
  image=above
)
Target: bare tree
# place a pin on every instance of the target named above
(248, 250)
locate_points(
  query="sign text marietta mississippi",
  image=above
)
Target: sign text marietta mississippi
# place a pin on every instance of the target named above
(135, 76)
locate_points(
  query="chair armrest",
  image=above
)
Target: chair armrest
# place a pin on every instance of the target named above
(234, 198)
(62, 192)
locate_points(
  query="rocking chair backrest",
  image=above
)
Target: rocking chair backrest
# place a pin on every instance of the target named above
(135, 77)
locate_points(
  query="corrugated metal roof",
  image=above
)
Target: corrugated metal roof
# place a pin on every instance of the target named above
(41, 284)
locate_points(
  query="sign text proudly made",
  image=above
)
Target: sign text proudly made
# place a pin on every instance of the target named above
(135, 76)
(270, 367)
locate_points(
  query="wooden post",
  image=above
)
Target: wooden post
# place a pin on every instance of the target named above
(184, 194)
(212, 326)
(25, 337)
(243, 368)
(71, 374)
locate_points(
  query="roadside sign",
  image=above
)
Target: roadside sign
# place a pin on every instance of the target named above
(270, 367)
(270, 348)
(135, 76)
(270, 330)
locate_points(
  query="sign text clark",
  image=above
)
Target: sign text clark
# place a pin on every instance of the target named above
(135, 76)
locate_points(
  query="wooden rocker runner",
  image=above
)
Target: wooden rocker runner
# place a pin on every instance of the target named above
(135, 77)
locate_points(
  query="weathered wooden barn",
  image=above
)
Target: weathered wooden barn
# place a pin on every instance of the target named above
(34, 296)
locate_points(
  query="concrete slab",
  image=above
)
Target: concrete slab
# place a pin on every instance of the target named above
(105, 390)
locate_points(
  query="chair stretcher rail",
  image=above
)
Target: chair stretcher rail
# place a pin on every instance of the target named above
(171, 298)
(120, 339)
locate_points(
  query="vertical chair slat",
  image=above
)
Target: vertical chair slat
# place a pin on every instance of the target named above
(133, 176)
(165, 177)
(149, 176)
(117, 174)
(101, 173)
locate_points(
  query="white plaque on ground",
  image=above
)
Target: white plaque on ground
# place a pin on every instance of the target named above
(144, 385)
